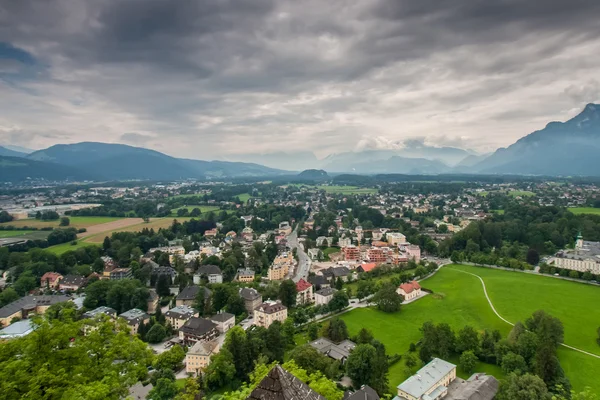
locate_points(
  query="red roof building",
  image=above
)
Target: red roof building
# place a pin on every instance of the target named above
(304, 292)
(50, 280)
(409, 290)
(366, 267)
(302, 285)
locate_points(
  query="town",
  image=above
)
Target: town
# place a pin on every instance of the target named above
(225, 283)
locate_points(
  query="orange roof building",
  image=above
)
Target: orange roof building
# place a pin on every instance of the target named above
(409, 290)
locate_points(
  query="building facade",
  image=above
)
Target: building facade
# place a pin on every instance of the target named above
(269, 312)
(429, 383)
(198, 356)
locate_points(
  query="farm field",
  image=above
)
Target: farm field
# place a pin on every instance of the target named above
(203, 209)
(522, 193)
(64, 247)
(7, 234)
(585, 210)
(76, 222)
(459, 300)
(346, 189)
(155, 223)
(244, 197)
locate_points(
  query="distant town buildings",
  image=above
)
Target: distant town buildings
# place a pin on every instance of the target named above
(585, 257)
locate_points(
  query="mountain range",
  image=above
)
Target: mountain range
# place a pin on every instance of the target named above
(568, 148)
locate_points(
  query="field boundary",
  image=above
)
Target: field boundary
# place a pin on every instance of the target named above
(507, 321)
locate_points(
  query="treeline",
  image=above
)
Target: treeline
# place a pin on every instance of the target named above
(521, 233)
(528, 354)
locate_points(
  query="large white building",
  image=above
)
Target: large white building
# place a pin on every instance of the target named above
(585, 257)
(429, 383)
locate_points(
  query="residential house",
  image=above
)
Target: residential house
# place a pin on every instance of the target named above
(120, 273)
(72, 283)
(344, 242)
(410, 290)
(280, 384)
(304, 292)
(324, 296)
(337, 272)
(248, 234)
(134, 318)
(102, 310)
(198, 356)
(429, 383)
(153, 301)
(281, 266)
(198, 330)
(338, 352)
(211, 273)
(50, 280)
(158, 271)
(366, 267)
(224, 321)
(189, 294)
(28, 305)
(211, 233)
(366, 392)
(285, 228)
(411, 252)
(179, 315)
(269, 312)
(252, 299)
(244, 275)
(319, 281)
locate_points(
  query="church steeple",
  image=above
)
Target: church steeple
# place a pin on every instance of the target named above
(579, 241)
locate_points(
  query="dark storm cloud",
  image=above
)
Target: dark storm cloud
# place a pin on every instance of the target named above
(214, 77)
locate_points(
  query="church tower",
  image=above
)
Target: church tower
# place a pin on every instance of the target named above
(579, 242)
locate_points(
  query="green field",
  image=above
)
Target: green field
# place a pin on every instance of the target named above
(499, 212)
(330, 250)
(203, 209)
(76, 222)
(522, 193)
(459, 300)
(64, 247)
(346, 189)
(584, 210)
(7, 234)
(244, 197)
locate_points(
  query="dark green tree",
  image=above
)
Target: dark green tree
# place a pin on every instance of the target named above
(287, 293)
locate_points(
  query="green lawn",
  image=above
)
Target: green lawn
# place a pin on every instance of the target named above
(10, 234)
(459, 300)
(522, 193)
(330, 250)
(499, 212)
(585, 210)
(244, 197)
(346, 189)
(64, 247)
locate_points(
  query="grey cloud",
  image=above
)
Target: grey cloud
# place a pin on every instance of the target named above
(224, 77)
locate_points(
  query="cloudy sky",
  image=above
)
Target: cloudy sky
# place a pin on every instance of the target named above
(218, 79)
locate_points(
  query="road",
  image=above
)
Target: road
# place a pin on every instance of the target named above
(301, 270)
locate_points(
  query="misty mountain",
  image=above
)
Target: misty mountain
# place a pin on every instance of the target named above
(296, 161)
(20, 149)
(313, 174)
(121, 162)
(6, 152)
(17, 169)
(383, 162)
(561, 148)
(448, 155)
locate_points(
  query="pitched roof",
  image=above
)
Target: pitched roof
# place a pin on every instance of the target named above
(426, 377)
(29, 302)
(209, 270)
(326, 291)
(181, 312)
(222, 317)
(366, 392)
(477, 387)
(204, 348)
(270, 307)
(198, 326)
(302, 285)
(367, 266)
(73, 280)
(410, 286)
(281, 385)
(191, 292)
(52, 276)
(249, 293)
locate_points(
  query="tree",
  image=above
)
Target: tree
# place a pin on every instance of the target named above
(170, 359)
(387, 299)
(467, 361)
(221, 369)
(98, 266)
(533, 257)
(165, 389)
(276, 343)
(65, 221)
(313, 332)
(527, 345)
(515, 332)
(364, 336)
(237, 344)
(512, 362)
(235, 305)
(339, 301)
(162, 286)
(287, 293)
(522, 387)
(192, 389)
(335, 330)
(156, 334)
(7, 296)
(359, 365)
(467, 340)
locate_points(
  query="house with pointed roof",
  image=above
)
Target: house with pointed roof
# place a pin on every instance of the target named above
(410, 290)
(429, 383)
(281, 385)
(304, 292)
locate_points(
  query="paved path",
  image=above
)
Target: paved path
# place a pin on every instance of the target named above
(510, 323)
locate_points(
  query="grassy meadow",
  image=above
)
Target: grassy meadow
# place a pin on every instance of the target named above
(585, 210)
(459, 300)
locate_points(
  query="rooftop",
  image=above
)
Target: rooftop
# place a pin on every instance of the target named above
(17, 329)
(281, 385)
(222, 317)
(302, 285)
(135, 315)
(100, 310)
(418, 384)
(191, 292)
(198, 326)
(181, 311)
(29, 302)
(203, 348)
